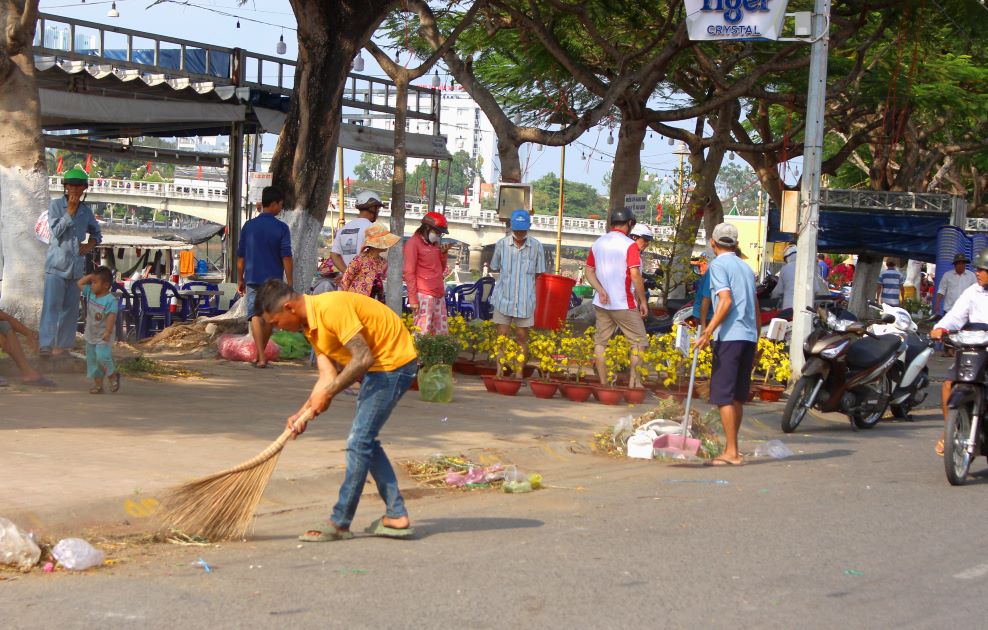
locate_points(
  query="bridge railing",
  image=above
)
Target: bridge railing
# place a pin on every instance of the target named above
(146, 189)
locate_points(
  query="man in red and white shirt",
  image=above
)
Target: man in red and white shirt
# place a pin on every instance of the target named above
(614, 271)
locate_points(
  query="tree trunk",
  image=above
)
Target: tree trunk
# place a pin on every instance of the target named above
(396, 258)
(627, 162)
(866, 274)
(23, 173)
(508, 155)
(329, 36)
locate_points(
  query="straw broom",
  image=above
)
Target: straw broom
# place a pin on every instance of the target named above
(221, 506)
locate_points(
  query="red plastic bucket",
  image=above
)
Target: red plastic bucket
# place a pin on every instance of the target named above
(552, 296)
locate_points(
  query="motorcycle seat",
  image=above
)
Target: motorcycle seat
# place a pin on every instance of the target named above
(869, 351)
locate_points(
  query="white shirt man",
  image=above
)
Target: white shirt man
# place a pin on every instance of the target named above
(953, 284)
(786, 285)
(349, 239)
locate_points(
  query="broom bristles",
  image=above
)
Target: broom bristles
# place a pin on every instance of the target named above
(220, 506)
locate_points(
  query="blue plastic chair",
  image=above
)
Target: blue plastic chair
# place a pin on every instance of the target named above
(482, 298)
(208, 306)
(460, 301)
(152, 315)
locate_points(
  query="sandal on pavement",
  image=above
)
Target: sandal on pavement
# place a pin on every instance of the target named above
(115, 382)
(720, 461)
(96, 390)
(378, 528)
(939, 447)
(327, 533)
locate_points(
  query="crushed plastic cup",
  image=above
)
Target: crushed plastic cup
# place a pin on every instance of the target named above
(75, 554)
(517, 487)
(774, 449)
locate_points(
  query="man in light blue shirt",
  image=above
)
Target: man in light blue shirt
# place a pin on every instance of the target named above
(70, 220)
(520, 259)
(734, 327)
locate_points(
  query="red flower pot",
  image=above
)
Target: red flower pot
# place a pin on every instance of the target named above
(577, 392)
(465, 367)
(635, 396)
(486, 370)
(543, 390)
(489, 383)
(770, 393)
(608, 395)
(507, 386)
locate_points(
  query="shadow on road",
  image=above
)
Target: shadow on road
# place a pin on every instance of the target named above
(431, 527)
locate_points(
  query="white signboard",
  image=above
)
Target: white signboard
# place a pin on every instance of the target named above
(256, 182)
(637, 204)
(713, 20)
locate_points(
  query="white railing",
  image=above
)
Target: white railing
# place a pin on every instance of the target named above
(164, 190)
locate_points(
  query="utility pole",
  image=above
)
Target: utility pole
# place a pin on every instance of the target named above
(809, 215)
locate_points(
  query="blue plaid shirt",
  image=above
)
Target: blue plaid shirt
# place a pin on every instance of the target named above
(514, 293)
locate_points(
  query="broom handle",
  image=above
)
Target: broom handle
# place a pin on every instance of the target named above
(270, 451)
(689, 393)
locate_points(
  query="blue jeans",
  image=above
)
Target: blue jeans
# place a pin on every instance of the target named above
(59, 313)
(379, 393)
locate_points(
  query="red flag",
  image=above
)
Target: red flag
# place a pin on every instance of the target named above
(658, 212)
(58, 169)
(89, 161)
(149, 168)
(199, 174)
(422, 183)
(348, 185)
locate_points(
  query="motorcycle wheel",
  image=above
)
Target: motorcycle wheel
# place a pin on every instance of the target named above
(796, 407)
(956, 459)
(868, 421)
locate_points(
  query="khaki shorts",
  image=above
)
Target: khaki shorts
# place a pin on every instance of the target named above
(506, 320)
(628, 320)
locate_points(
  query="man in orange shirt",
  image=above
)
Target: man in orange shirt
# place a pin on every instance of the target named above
(372, 343)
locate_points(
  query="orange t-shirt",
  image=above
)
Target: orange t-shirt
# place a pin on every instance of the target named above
(335, 317)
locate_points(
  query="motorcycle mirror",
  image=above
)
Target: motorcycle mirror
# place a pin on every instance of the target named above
(888, 319)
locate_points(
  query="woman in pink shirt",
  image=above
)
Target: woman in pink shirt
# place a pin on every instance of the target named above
(425, 272)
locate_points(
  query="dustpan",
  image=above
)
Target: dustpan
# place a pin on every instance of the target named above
(682, 442)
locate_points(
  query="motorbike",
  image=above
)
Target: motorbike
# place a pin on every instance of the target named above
(910, 374)
(964, 435)
(847, 370)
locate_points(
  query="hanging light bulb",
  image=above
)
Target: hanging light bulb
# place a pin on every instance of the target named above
(397, 57)
(113, 13)
(238, 23)
(435, 79)
(540, 147)
(731, 156)
(583, 155)
(281, 48)
(358, 63)
(610, 137)
(671, 142)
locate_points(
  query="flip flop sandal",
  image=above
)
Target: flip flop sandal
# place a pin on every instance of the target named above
(378, 528)
(939, 447)
(720, 461)
(96, 390)
(327, 533)
(115, 383)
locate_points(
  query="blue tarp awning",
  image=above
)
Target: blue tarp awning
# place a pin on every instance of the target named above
(912, 235)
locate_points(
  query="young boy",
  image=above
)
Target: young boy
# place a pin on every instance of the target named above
(101, 315)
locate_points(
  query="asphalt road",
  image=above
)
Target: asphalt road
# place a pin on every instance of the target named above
(855, 530)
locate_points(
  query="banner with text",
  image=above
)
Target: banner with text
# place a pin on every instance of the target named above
(713, 20)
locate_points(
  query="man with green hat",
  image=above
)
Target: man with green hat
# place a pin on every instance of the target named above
(70, 221)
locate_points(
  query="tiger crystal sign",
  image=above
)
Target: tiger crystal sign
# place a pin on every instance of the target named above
(713, 20)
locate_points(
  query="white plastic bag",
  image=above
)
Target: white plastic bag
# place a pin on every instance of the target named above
(622, 430)
(41, 228)
(75, 554)
(16, 547)
(774, 449)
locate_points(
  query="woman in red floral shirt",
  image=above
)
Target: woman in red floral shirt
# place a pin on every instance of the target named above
(366, 273)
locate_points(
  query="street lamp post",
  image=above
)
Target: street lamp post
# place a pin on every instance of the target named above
(682, 151)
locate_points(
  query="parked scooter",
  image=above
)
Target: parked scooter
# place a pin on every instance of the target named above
(964, 435)
(910, 373)
(847, 370)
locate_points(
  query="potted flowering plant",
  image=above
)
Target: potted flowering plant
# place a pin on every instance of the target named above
(510, 358)
(543, 346)
(436, 355)
(617, 357)
(772, 360)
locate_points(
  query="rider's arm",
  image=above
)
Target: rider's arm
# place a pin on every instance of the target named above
(959, 314)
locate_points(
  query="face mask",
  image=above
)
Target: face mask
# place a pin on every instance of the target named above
(433, 237)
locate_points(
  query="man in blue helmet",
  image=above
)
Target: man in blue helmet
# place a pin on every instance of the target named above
(70, 220)
(520, 259)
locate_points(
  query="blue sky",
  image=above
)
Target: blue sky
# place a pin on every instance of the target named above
(261, 24)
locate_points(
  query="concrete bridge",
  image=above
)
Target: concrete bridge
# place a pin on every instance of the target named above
(474, 227)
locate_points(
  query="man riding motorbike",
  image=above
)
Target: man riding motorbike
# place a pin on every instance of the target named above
(970, 308)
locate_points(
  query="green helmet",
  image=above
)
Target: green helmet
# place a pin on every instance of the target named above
(981, 260)
(76, 176)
